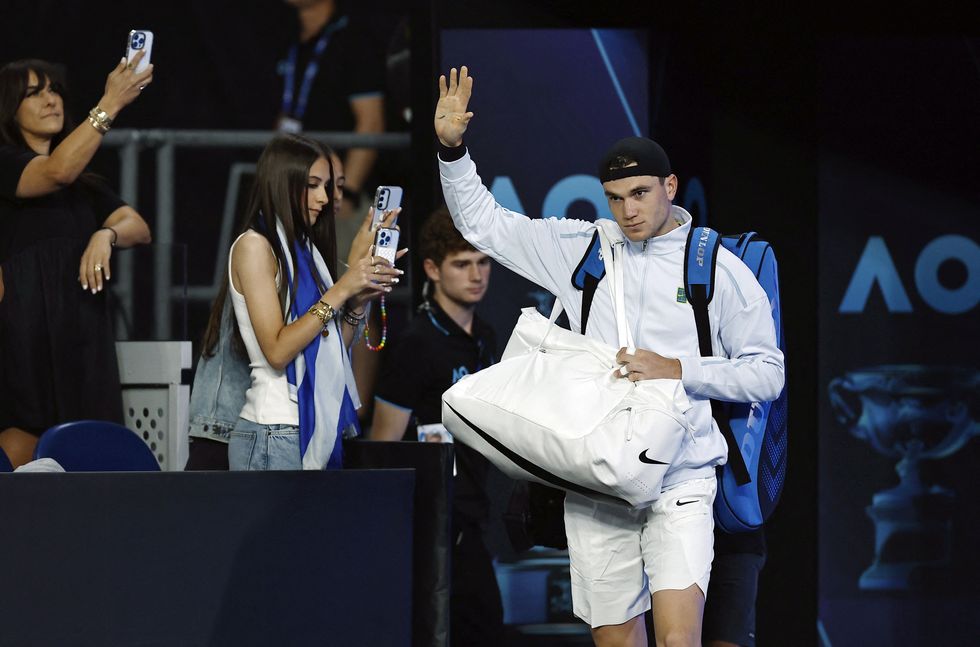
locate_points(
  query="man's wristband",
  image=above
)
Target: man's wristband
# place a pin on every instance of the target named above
(451, 153)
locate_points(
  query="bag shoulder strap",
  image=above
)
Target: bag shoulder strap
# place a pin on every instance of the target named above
(612, 242)
(587, 275)
(700, 260)
(608, 242)
(591, 268)
(738, 244)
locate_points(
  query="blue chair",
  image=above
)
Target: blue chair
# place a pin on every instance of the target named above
(96, 446)
(5, 465)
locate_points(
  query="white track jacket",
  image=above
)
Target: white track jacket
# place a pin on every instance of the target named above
(547, 252)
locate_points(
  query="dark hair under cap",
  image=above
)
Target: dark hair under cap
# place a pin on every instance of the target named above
(649, 158)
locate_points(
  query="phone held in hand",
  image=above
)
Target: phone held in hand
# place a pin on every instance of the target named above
(140, 40)
(386, 198)
(386, 243)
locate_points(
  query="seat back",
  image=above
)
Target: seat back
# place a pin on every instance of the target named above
(96, 446)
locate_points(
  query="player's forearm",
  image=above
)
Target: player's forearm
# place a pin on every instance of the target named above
(755, 371)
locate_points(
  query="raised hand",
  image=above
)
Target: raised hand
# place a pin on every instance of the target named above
(451, 118)
(124, 84)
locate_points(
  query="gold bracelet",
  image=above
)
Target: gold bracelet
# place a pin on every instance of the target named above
(324, 312)
(100, 120)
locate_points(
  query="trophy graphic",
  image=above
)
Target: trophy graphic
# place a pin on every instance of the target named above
(912, 413)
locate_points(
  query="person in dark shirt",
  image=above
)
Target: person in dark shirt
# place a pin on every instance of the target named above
(333, 79)
(58, 229)
(445, 342)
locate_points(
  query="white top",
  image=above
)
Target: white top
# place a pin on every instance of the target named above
(267, 401)
(547, 251)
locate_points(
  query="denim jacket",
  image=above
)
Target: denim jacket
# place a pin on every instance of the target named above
(220, 383)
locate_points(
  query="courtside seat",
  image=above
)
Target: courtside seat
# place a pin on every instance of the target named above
(96, 446)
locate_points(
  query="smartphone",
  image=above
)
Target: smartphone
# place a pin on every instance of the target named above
(386, 243)
(139, 40)
(386, 198)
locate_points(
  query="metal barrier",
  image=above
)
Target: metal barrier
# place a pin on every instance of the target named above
(165, 142)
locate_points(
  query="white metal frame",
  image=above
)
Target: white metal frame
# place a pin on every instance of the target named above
(155, 402)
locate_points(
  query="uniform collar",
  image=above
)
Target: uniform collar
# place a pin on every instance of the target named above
(446, 324)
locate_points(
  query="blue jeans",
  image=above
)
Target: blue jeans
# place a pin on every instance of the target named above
(254, 446)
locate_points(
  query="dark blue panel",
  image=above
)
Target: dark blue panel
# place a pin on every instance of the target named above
(261, 558)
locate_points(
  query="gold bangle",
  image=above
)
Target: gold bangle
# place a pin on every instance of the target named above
(323, 311)
(331, 312)
(100, 120)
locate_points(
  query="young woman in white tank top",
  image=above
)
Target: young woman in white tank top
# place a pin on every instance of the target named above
(289, 242)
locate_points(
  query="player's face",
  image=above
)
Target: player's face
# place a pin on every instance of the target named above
(641, 205)
(462, 277)
(316, 189)
(41, 113)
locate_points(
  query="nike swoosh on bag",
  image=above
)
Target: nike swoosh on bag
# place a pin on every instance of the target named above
(536, 470)
(686, 502)
(650, 461)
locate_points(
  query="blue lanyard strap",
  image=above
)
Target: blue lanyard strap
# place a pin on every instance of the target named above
(312, 68)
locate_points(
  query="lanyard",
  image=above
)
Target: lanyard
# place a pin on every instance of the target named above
(309, 74)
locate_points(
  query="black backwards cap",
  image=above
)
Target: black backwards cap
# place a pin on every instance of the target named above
(649, 156)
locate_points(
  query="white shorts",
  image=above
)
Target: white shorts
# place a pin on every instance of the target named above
(620, 557)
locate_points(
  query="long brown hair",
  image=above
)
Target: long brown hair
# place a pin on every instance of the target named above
(279, 194)
(14, 79)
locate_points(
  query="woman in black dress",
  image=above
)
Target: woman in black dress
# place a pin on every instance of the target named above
(58, 227)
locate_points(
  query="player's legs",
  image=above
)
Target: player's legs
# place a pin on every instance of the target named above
(609, 586)
(677, 617)
(677, 544)
(631, 633)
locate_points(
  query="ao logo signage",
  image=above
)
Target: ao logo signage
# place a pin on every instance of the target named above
(586, 188)
(946, 255)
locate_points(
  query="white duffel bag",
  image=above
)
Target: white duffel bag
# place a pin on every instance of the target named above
(554, 411)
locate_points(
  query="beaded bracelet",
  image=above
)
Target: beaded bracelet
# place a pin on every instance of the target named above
(384, 329)
(352, 318)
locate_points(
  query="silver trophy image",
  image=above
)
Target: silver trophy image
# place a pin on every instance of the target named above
(911, 413)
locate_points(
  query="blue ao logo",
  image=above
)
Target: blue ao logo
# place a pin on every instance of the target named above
(459, 373)
(952, 251)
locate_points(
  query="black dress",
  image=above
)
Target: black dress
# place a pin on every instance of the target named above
(57, 347)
